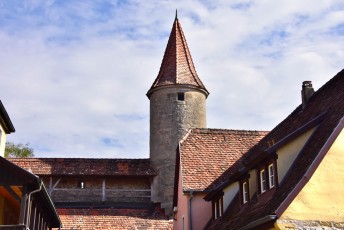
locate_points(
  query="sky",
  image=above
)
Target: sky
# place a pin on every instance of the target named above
(74, 74)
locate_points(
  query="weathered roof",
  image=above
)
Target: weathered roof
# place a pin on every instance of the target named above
(206, 155)
(177, 67)
(113, 218)
(328, 104)
(86, 166)
(5, 120)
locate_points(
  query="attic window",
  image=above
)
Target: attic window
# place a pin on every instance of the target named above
(217, 208)
(271, 175)
(262, 177)
(245, 193)
(181, 96)
(267, 176)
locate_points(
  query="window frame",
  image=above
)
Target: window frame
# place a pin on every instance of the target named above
(269, 179)
(271, 175)
(217, 208)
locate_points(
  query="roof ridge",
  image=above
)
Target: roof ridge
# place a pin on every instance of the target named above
(215, 130)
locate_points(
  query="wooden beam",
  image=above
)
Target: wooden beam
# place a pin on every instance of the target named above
(56, 183)
(10, 191)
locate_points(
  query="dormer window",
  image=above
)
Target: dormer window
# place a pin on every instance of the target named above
(271, 175)
(262, 176)
(267, 176)
(245, 194)
(217, 207)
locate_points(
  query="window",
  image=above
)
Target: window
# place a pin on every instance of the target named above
(271, 176)
(217, 208)
(262, 180)
(267, 176)
(181, 96)
(245, 194)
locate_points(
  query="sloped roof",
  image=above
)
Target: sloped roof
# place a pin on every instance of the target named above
(206, 154)
(113, 218)
(177, 67)
(86, 166)
(327, 103)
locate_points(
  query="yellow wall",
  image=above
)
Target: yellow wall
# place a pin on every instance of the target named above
(288, 153)
(229, 193)
(2, 141)
(252, 183)
(322, 198)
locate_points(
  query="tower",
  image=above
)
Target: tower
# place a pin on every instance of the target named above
(177, 103)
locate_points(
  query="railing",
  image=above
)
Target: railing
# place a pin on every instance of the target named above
(90, 194)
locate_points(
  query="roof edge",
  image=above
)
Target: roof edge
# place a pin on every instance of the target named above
(186, 86)
(259, 222)
(5, 120)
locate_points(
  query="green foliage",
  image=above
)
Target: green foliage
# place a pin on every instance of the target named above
(18, 150)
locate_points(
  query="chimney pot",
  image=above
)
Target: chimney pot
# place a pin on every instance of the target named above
(306, 92)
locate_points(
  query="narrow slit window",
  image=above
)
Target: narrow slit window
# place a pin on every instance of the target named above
(271, 176)
(262, 181)
(181, 96)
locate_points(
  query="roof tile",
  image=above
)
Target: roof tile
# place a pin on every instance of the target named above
(86, 166)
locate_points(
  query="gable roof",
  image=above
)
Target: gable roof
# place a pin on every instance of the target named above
(5, 120)
(206, 154)
(177, 67)
(86, 166)
(113, 218)
(328, 104)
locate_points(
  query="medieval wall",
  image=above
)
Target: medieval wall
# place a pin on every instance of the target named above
(97, 189)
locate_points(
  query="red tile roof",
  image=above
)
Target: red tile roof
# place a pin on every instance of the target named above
(207, 154)
(86, 166)
(328, 104)
(177, 67)
(112, 218)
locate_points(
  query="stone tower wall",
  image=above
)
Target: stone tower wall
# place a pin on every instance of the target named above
(170, 119)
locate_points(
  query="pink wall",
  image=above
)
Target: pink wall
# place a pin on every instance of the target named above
(201, 210)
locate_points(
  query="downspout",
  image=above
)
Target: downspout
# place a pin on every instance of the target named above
(27, 223)
(190, 213)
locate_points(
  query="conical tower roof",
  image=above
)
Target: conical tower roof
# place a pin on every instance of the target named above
(177, 67)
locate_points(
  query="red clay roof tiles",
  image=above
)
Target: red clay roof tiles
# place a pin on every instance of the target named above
(207, 155)
(86, 166)
(177, 67)
(112, 218)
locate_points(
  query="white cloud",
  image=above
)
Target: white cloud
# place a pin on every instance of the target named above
(74, 74)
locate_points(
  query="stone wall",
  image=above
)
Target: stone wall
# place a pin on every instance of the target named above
(170, 119)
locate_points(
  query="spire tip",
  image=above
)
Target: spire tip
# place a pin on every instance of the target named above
(176, 14)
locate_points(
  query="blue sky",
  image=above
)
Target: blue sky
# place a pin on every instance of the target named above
(74, 74)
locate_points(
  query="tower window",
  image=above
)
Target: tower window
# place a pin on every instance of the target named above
(181, 96)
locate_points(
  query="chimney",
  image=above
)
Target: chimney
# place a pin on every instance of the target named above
(306, 92)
